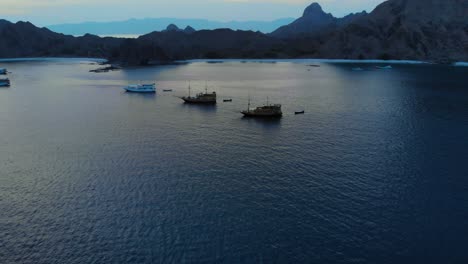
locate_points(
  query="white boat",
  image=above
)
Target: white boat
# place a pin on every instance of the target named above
(141, 88)
(388, 67)
(4, 82)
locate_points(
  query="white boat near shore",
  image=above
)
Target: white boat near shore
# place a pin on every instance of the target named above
(141, 88)
(388, 67)
(5, 82)
(460, 64)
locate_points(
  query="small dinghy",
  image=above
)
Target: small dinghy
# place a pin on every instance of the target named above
(227, 100)
(167, 90)
(299, 112)
(357, 69)
(3, 71)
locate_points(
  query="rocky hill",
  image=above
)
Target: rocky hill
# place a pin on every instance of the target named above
(213, 44)
(434, 30)
(314, 21)
(23, 39)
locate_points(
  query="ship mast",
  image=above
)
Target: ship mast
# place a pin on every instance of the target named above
(189, 95)
(206, 87)
(248, 105)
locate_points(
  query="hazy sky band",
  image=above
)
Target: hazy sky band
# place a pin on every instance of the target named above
(45, 12)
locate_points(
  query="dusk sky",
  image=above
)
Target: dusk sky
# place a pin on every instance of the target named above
(46, 12)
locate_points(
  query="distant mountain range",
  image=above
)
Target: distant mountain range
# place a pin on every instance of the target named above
(147, 25)
(430, 30)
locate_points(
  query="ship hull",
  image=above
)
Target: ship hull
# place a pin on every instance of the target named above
(262, 115)
(4, 84)
(139, 91)
(195, 101)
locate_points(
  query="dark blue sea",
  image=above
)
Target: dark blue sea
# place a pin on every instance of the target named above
(375, 171)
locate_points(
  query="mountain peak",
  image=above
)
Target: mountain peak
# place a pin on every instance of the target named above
(4, 22)
(313, 9)
(25, 23)
(172, 27)
(189, 29)
(314, 20)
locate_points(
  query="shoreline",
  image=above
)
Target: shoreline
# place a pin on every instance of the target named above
(311, 60)
(58, 59)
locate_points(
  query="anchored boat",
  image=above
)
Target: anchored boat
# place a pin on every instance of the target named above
(268, 110)
(388, 67)
(3, 71)
(5, 82)
(141, 88)
(200, 98)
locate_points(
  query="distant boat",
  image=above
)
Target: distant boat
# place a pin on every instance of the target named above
(388, 67)
(3, 71)
(200, 98)
(141, 88)
(267, 110)
(314, 65)
(227, 100)
(5, 82)
(106, 69)
(299, 112)
(357, 69)
(167, 90)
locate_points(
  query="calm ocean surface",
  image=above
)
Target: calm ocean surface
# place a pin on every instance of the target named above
(376, 171)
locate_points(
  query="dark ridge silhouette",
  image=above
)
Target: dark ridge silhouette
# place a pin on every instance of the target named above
(314, 21)
(434, 30)
(189, 30)
(431, 30)
(147, 25)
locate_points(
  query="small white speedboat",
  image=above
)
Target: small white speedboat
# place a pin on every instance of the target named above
(141, 88)
(388, 67)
